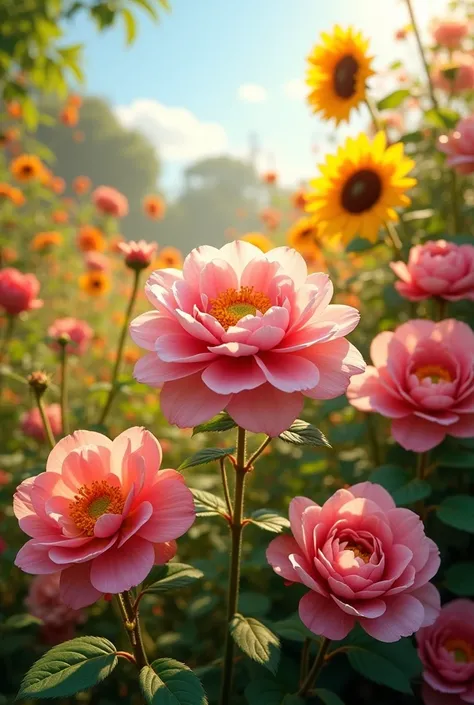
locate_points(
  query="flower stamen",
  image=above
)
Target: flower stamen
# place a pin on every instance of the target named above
(435, 373)
(92, 501)
(232, 305)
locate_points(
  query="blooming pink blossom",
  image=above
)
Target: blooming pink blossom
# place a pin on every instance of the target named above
(459, 146)
(446, 650)
(138, 255)
(32, 425)
(110, 201)
(79, 331)
(96, 261)
(44, 602)
(363, 560)
(450, 33)
(455, 76)
(103, 514)
(18, 291)
(423, 379)
(245, 331)
(437, 269)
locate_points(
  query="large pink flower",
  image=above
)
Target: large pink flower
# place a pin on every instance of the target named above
(79, 331)
(423, 379)
(103, 514)
(455, 76)
(109, 201)
(363, 560)
(18, 291)
(447, 651)
(245, 331)
(459, 146)
(450, 33)
(437, 269)
(32, 425)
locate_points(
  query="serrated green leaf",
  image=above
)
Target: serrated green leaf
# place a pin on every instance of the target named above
(208, 504)
(221, 422)
(204, 456)
(169, 682)
(20, 621)
(264, 691)
(256, 641)
(173, 576)
(327, 697)
(130, 25)
(393, 100)
(413, 491)
(66, 669)
(293, 629)
(377, 669)
(302, 433)
(457, 511)
(269, 520)
(460, 579)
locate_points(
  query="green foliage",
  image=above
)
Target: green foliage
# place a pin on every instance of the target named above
(302, 433)
(169, 682)
(393, 100)
(221, 422)
(327, 697)
(269, 520)
(459, 579)
(172, 576)
(457, 511)
(256, 641)
(264, 691)
(205, 456)
(208, 504)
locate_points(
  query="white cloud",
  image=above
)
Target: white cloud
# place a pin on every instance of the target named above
(177, 133)
(252, 93)
(295, 89)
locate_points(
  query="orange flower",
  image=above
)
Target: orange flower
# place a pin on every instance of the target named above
(13, 194)
(46, 177)
(118, 317)
(78, 136)
(168, 257)
(114, 243)
(131, 356)
(81, 185)
(8, 254)
(94, 283)
(27, 167)
(90, 238)
(14, 109)
(60, 216)
(69, 116)
(271, 218)
(298, 199)
(154, 207)
(270, 177)
(8, 136)
(45, 242)
(74, 100)
(57, 184)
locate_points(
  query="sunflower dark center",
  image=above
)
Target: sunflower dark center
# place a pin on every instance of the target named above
(361, 191)
(345, 74)
(27, 169)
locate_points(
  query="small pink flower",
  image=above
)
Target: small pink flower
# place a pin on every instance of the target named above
(363, 561)
(44, 602)
(423, 379)
(32, 426)
(103, 514)
(96, 261)
(138, 255)
(18, 291)
(79, 331)
(450, 33)
(437, 269)
(455, 76)
(446, 650)
(459, 146)
(246, 331)
(109, 201)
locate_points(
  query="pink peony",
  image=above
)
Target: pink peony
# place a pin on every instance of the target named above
(437, 269)
(96, 261)
(450, 33)
(110, 201)
(446, 650)
(79, 331)
(363, 560)
(32, 426)
(103, 514)
(138, 255)
(459, 146)
(423, 379)
(455, 76)
(244, 331)
(18, 291)
(44, 602)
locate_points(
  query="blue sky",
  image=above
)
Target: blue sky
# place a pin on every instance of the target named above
(185, 80)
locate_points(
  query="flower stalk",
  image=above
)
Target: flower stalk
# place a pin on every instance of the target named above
(422, 53)
(132, 627)
(63, 342)
(316, 668)
(44, 419)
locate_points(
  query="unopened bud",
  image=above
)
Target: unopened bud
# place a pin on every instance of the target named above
(39, 381)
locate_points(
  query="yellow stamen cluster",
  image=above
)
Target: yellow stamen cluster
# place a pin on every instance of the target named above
(462, 651)
(232, 305)
(358, 551)
(435, 372)
(92, 501)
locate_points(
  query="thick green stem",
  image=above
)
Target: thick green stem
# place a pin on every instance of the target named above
(7, 335)
(64, 390)
(121, 345)
(46, 425)
(315, 669)
(132, 626)
(422, 53)
(236, 527)
(258, 452)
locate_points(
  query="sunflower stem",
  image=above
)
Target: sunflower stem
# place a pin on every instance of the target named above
(422, 53)
(373, 114)
(316, 667)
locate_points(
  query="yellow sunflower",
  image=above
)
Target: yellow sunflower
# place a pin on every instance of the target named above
(46, 241)
(359, 188)
(259, 240)
(338, 70)
(27, 167)
(303, 236)
(94, 283)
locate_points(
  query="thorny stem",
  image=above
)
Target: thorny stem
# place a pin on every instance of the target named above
(127, 656)
(132, 627)
(422, 53)
(305, 652)
(121, 345)
(316, 667)
(225, 485)
(236, 526)
(64, 390)
(258, 452)
(46, 425)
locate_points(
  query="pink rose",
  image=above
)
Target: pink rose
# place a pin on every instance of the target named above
(446, 650)
(363, 561)
(459, 146)
(450, 33)
(32, 426)
(109, 201)
(79, 331)
(454, 76)
(18, 291)
(437, 269)
(423, 379)
(96, 261)
(103, 514)
(246, 331)
(138, 255)
(44, 602)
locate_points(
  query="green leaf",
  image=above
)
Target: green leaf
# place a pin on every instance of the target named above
(302, 433)
(327, 697)
(293, 629)
(359, 244)
(268, 520)
(391, 477)
(442, 117)
(460, 579)
(221, 422)
(201, 605)
(169, 682)
(30, 114)
(173, 576)
(412, 137)
(69, 668)
(292, 700)
(378, 669)
(264, 691)
(458, 511)
(393, 100)
(256, 640)
(204, 456)
(457, 459)
(208, 504)
(412, 492)
(130, 25)
(20, 621)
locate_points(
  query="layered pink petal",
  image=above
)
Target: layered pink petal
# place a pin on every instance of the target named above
(404, 616)
(188, 402)
(323, 617)
(265, 409)
(120, 569)
(278, 556)
(417, 434)
(76, 589)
